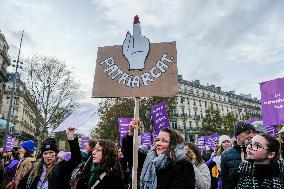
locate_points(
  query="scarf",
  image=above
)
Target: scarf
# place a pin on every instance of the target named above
(148, 178)
(95, 175)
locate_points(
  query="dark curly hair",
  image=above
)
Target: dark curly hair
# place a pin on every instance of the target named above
(175, 140)
(273, 144)
(110, 159)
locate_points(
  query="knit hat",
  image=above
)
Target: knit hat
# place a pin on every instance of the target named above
(28, 145)
(241, 126)
(49, 144)
(64, 155)
(223, 138)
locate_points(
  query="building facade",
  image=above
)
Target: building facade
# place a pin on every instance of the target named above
(23, 114)
(5, 60)
(194, 98)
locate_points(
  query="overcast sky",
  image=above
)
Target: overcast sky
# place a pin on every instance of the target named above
(233, 44)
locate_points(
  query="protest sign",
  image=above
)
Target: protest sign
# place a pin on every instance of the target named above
(272, 102)
(160, 116)
(146, 139)
(10, 143)
(123, 127)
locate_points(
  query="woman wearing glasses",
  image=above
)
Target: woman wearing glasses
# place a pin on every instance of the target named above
(106, 171)
(166, 165)
(263, 169)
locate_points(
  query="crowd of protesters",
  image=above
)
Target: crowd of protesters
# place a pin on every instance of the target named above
(252, 160)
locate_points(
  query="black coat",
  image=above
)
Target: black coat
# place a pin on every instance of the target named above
(178, 175)
(60, 175)
(230, 161)
(112, 180)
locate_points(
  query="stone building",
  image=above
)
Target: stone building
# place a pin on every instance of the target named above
(194, 98)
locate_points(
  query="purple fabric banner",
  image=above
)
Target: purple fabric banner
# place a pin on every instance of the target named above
(84, 142)
(146, 139)
(123, 127)
(272, 101)
(10, 143)
(160, 116)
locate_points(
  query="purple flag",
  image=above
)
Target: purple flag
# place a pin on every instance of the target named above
(146, 139)
(272, 101)
(123, 127)
(84, 141)
(10, 143)
(160, 116)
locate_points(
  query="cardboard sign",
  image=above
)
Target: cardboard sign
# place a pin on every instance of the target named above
(136, 68)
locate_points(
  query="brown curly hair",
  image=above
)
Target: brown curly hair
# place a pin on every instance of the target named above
(110, 159)
(175, 140)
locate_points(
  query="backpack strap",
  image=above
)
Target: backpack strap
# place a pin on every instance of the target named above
(98, 181)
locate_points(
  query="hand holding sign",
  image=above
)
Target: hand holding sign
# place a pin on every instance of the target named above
(136, 47)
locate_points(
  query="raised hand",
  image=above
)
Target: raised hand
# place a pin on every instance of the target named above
(70, 133)
(136, 47)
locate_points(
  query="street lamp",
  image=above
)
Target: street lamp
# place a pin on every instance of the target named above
(183, 116)
(13, 89)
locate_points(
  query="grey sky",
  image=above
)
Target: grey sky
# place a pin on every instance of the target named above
(233, 44)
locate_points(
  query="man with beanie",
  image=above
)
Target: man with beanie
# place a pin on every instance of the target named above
(232, 157)
(52, 172)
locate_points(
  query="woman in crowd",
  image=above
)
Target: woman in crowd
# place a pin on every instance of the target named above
(166, 165)
(263, 169)
(10, 169)
(52, 173)
(106, 171)
(214, 163)
(25, 165)
(202, 173)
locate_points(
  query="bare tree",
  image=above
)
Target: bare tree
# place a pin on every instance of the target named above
(53, 90)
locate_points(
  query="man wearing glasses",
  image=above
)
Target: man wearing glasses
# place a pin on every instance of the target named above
(232, 157)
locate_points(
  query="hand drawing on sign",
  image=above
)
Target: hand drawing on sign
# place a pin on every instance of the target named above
(136, 47)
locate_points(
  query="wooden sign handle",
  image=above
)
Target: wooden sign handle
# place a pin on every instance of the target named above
(135, 145)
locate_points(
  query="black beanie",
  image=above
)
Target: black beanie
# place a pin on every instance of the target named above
(49, 144)
(241, 126)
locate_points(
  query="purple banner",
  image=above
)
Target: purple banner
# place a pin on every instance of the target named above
(84, 142)
(146, 139)
(272, 101)
(10, 143)
(160, 116)
(271, 130)
(123, 127)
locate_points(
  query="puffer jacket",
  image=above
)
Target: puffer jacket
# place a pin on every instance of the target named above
(259, 176)
(230, 161)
